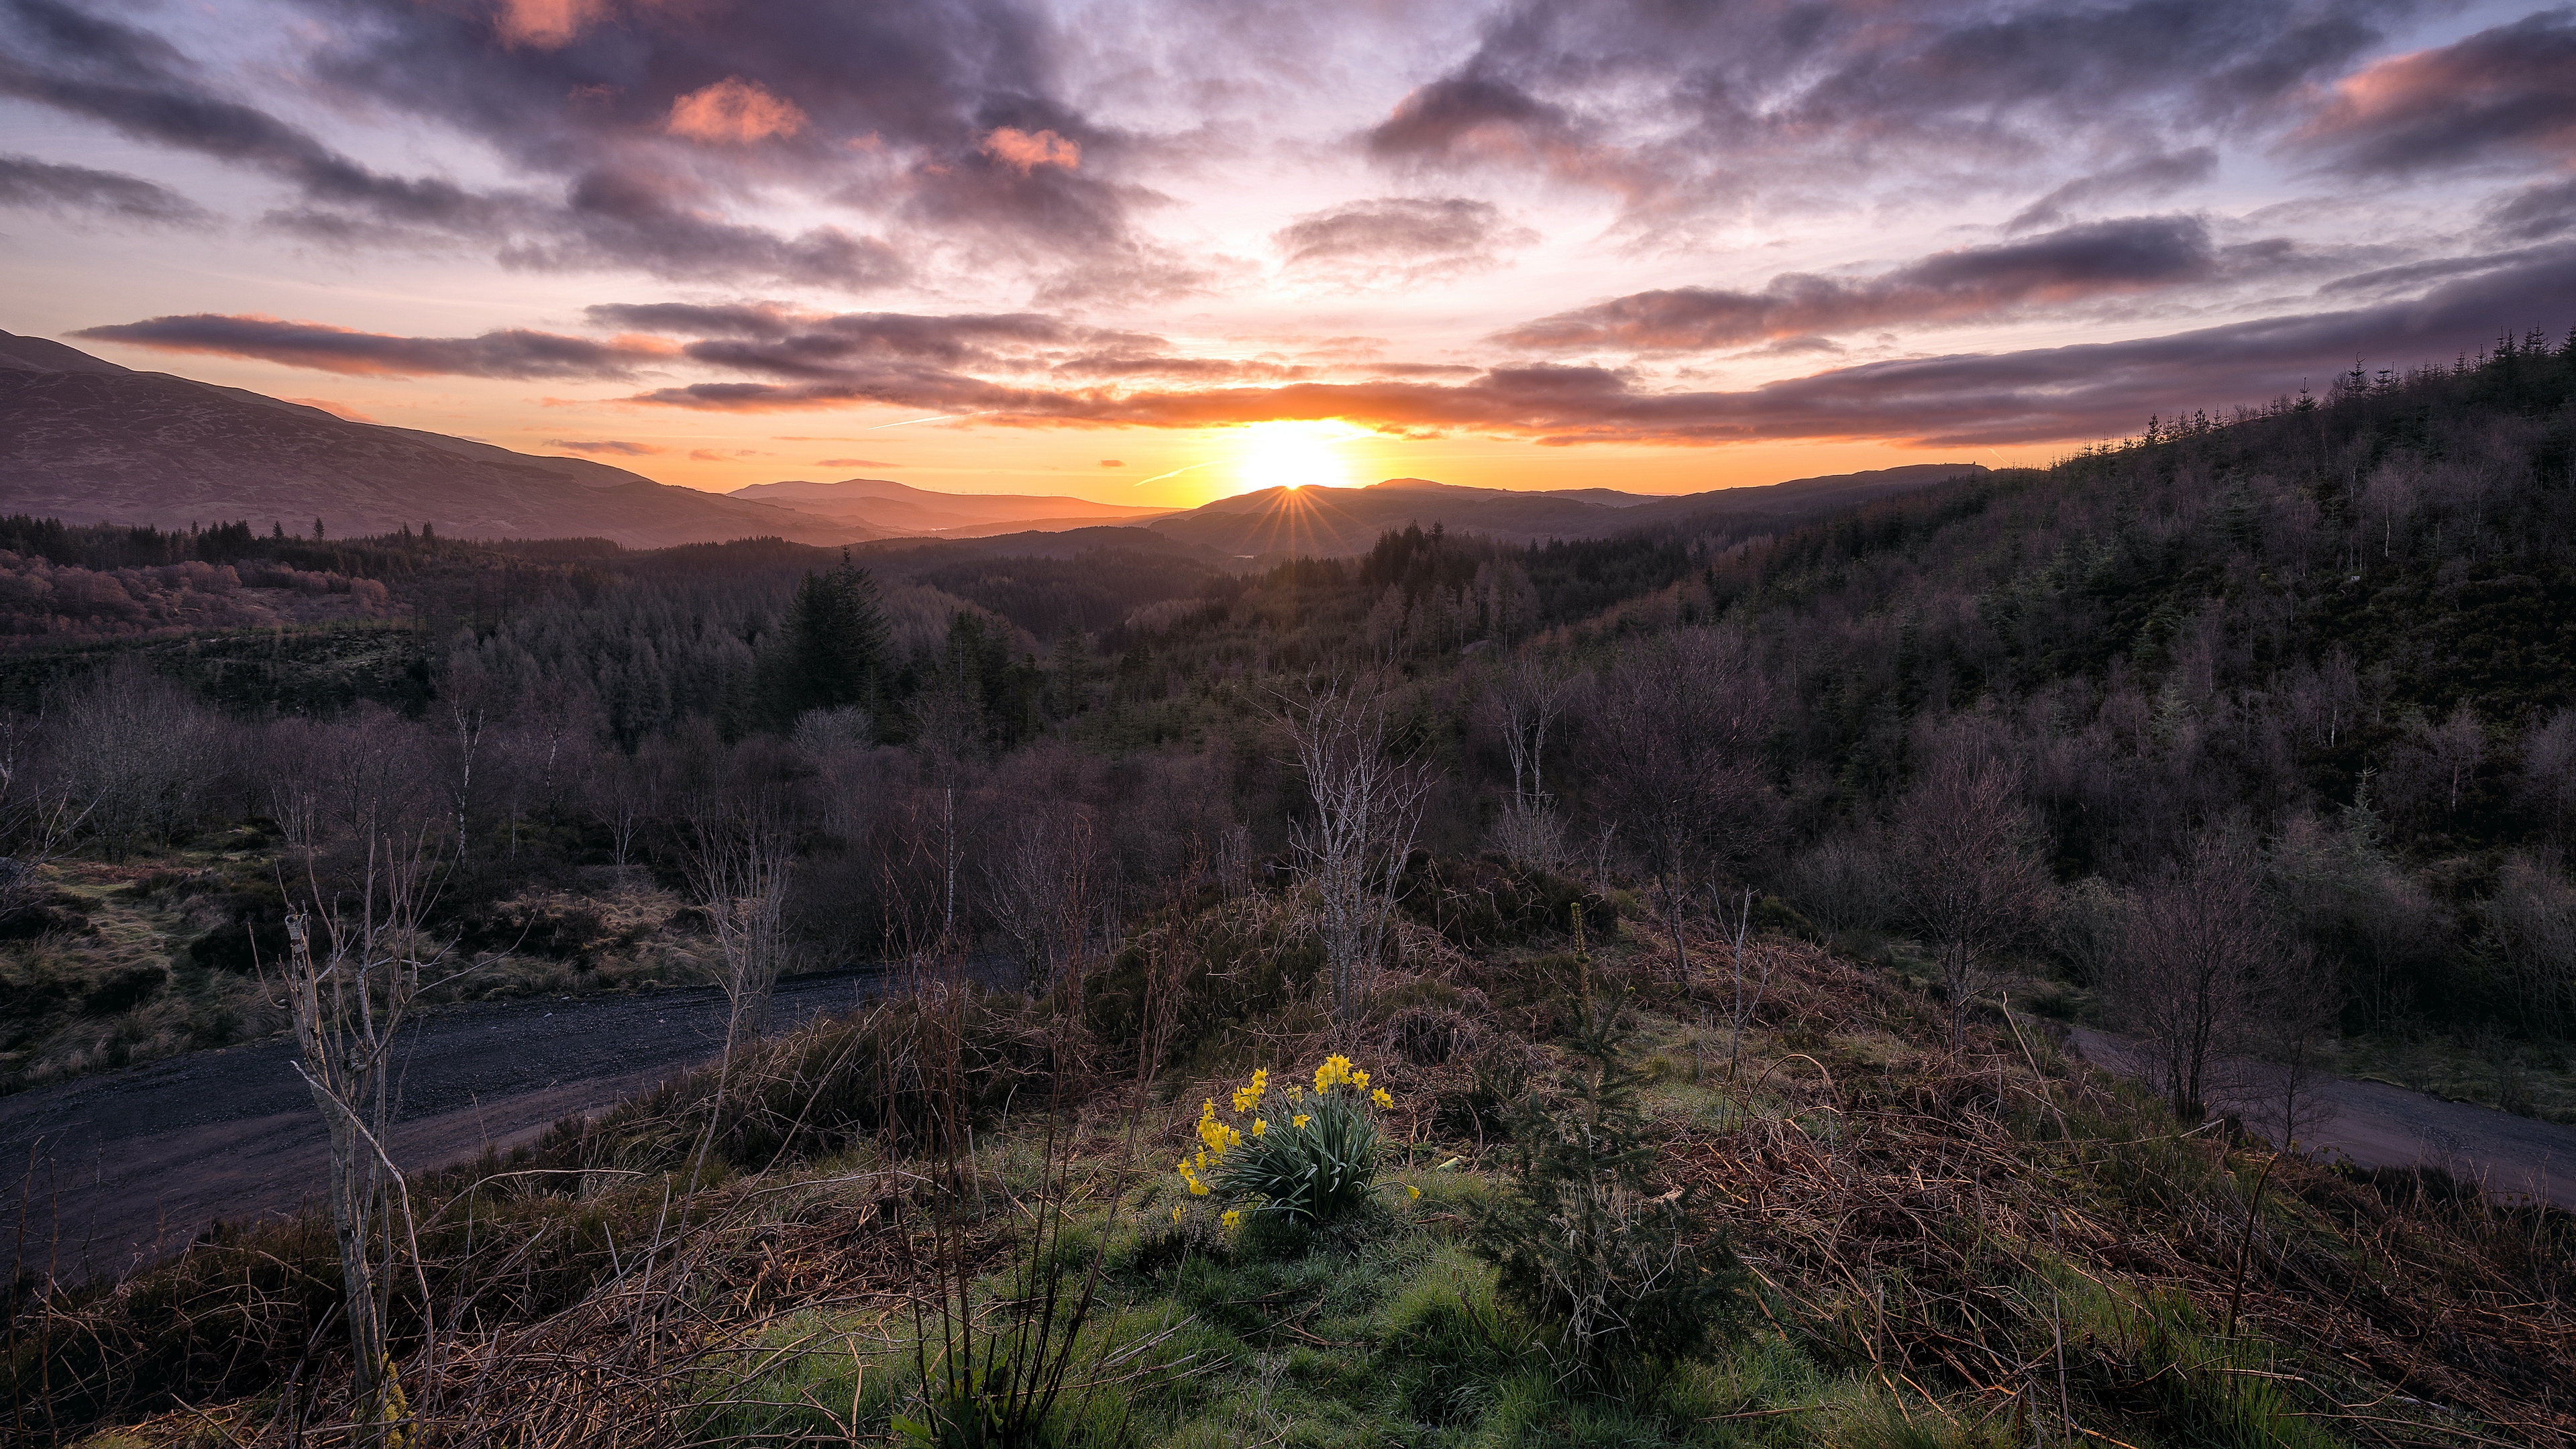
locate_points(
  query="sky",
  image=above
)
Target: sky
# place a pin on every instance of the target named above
(1157, 253)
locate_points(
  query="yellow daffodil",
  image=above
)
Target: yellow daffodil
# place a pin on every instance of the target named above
(1417, 1193)
(1260, 1128)
(1232, 1219)
(1300, 1120)
(1381, 1098)
(1176, 1213)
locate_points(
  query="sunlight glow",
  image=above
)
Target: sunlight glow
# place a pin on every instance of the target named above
(1293, 454)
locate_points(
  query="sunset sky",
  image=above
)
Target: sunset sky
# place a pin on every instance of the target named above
(1157, 253)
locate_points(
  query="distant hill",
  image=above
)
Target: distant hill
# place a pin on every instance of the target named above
(87, 441)
(1325, 522)
(899, 508)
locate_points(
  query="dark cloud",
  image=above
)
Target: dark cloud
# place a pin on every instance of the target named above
(2503, 94)
(26, 181)
(1462, 117)
(2132, 254)
(2147, 176)
(338, 349)
(608, 447)
(660, 223)
(1392, 237)
(136, 83)
(740, 319)
(2535, 212)
(940, 115)
(2036, 395)
(1682, 108)
(610, 213)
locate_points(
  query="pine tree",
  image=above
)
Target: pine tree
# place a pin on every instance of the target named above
(830, 653)
(1584, 1244)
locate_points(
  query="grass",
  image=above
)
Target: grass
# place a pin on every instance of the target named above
(2529, 1078)
(146, 958)
(1963, 1252)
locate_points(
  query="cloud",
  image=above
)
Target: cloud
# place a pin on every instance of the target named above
(2508, 93)
(734, 111)
(741, 319)
(1391, 237)
(723, 455)
(2158, 175)
(1113, 462)
(944, 119)
(515, 353)
(1682, 111)
(26, 181)
(2535, 212)
(609, 447)
(616, 207)
(2132, 254)
(853, 463)
(2034, 395)
(1025, 152)
(547, 23)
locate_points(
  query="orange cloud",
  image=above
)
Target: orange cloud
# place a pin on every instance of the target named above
(1025, 153)
(547, 23)
(733, 110)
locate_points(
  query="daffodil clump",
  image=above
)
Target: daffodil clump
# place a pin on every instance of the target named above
(1311, 1157)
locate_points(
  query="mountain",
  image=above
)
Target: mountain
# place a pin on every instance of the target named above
(1328, 521)
(898, 508)
(87, 441)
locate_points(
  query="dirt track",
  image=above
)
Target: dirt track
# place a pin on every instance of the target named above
(107, 1171)
(2377, 1125)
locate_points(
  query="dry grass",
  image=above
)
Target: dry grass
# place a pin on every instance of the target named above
(2008, 1242)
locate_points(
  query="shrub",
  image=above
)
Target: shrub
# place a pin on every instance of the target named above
(1483, 902)
(1608, 1267)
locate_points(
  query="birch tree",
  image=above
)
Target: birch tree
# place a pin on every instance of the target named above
(358, 961)
(1368, 803)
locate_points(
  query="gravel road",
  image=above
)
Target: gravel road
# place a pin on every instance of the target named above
(2377, 1125)
(118, 1169)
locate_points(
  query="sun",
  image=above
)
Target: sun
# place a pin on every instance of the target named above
(1293, 454)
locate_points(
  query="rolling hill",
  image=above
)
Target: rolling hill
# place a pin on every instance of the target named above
(900, 508)
(87, 441)
(1340, 521)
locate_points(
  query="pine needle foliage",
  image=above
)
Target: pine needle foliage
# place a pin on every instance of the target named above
(1609, 1269)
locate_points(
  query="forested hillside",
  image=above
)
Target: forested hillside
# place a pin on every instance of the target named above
(2250, 739)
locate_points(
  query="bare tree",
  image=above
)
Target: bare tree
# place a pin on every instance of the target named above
(2546, 785)
(1524, 707)
(2187, 977)
(1368, 803)
(136, 753)
(1045, 889)
(1675, 753)
(358, 961)
(1967, 876)
(2296, 999)
(36, 821)
(736, 855)
(1841, 883)
(1734, 916)
(2530, 925)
